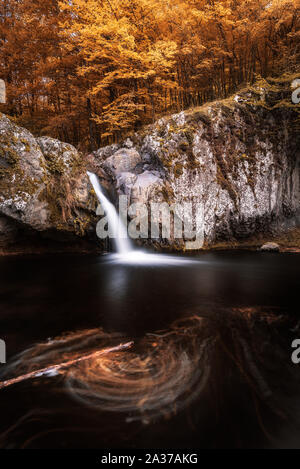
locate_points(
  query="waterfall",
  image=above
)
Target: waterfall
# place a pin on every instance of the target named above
(117, 229)
(126, 254)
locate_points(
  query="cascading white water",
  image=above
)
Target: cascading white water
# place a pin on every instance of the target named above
(116, 226)
(126, 254)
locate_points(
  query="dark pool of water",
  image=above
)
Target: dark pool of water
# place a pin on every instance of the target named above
(42, 297)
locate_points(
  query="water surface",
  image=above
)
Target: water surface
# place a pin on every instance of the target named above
(246, 398)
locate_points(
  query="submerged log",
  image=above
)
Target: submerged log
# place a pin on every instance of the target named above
(54, 369)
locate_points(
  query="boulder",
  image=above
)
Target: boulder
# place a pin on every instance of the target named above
(43, 183)
(146, 188)
(125, 182)
(124, 160)
(60, 157)
(237, 159)
(19, 149)
(271, 247)
(22, 176)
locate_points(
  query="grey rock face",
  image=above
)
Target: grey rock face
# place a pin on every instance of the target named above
(59, 155)
(146, 187)
(18, 146)
(105, 152)
(22, 170)
(238, 159)
(43, 183)
(123, 160)
(272, 247)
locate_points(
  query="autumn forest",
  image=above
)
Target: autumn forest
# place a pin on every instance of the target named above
(90, 71)
(149, 228)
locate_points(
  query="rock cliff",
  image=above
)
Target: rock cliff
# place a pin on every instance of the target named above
(45, 194)
(238, 159)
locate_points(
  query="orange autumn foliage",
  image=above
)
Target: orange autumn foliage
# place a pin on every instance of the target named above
(91, 71)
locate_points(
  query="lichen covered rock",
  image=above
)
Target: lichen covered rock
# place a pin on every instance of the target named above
(43, 184)
(238, 159)
(270, 247)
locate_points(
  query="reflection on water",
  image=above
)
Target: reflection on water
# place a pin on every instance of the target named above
(137, 258)
(210, 366)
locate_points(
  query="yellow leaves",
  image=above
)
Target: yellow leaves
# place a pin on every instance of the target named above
(160, 57)
(137, 59)
(164, 83)
(224, 12)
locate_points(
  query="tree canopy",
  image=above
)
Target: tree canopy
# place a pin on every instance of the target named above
(91, 71)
